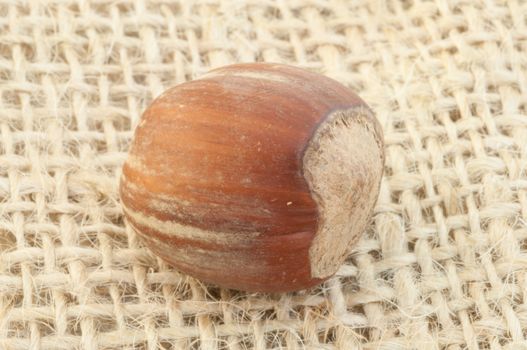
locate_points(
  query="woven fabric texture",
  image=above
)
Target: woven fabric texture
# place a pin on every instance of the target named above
(443, 264)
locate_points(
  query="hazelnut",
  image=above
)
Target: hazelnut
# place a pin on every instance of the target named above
(256, 176)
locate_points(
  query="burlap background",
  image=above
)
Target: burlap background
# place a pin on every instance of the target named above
(444, 262)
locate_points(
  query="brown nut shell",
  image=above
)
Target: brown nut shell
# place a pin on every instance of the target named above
(255, 177)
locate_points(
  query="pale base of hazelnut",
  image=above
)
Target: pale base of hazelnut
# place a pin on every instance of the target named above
(344, 183)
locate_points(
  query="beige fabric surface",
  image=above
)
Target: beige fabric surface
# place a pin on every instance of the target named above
(443, 264)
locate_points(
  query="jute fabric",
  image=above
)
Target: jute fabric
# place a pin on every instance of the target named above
(443, 264)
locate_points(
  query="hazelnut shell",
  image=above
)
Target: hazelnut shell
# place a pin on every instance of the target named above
(256, 176)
